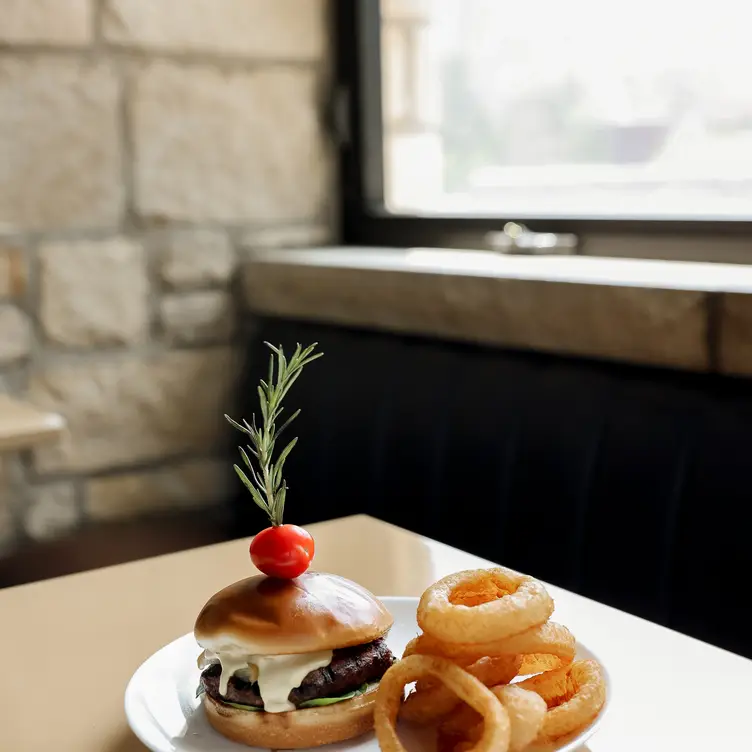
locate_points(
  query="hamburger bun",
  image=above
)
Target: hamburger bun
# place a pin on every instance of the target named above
(298, 729)
(316, 611)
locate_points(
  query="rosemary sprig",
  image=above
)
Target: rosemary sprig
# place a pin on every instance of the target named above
(266, 484)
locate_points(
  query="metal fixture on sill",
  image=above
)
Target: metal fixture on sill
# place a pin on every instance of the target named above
(518, 239)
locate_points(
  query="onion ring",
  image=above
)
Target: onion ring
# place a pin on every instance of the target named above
(413, 648)
(538, 664)
(574, 696)
(527, 712)
(496, 725)
(426, 702)
(480, 605)
(456, 742)
(549, 639)
(433, 700)
(526, 709)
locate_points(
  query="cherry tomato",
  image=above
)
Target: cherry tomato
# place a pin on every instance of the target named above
(284, 551)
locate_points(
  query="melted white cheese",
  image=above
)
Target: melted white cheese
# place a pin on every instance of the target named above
(230, 665)
(205, 659)
(277, 675)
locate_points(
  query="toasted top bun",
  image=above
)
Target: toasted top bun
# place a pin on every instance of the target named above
(316, 611)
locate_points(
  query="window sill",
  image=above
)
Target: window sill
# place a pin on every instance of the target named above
(687, 315)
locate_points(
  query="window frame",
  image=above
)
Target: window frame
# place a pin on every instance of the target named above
(364, 219)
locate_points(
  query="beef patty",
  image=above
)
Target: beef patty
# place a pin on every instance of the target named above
(350, 669)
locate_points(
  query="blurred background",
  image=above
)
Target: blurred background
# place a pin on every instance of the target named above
(181, 180)
(573, 108)
(144, 149)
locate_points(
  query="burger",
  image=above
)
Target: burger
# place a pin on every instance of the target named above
(289, 664)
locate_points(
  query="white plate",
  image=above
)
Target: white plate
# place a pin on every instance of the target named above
(164, 714)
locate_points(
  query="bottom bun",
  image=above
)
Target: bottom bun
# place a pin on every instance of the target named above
(298, 729)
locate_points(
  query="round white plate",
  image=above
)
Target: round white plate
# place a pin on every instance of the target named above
(165, 715)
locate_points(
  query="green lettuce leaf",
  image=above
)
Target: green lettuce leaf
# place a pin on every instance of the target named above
(332, 700)
(200, 691)
(307, 704)
(241, 707)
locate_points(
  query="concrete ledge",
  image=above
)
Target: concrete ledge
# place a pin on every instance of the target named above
(687, 315)
(23, 426)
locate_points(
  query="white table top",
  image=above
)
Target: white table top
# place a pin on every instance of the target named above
(85, 635)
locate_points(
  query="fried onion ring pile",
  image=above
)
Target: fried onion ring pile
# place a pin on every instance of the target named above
(495, 733)
(491, 672)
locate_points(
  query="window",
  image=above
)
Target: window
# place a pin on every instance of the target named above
(629, 127)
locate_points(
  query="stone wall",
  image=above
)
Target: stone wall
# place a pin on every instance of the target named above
(145, 145)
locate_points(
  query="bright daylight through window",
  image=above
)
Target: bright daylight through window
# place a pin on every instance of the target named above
(638, 110)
